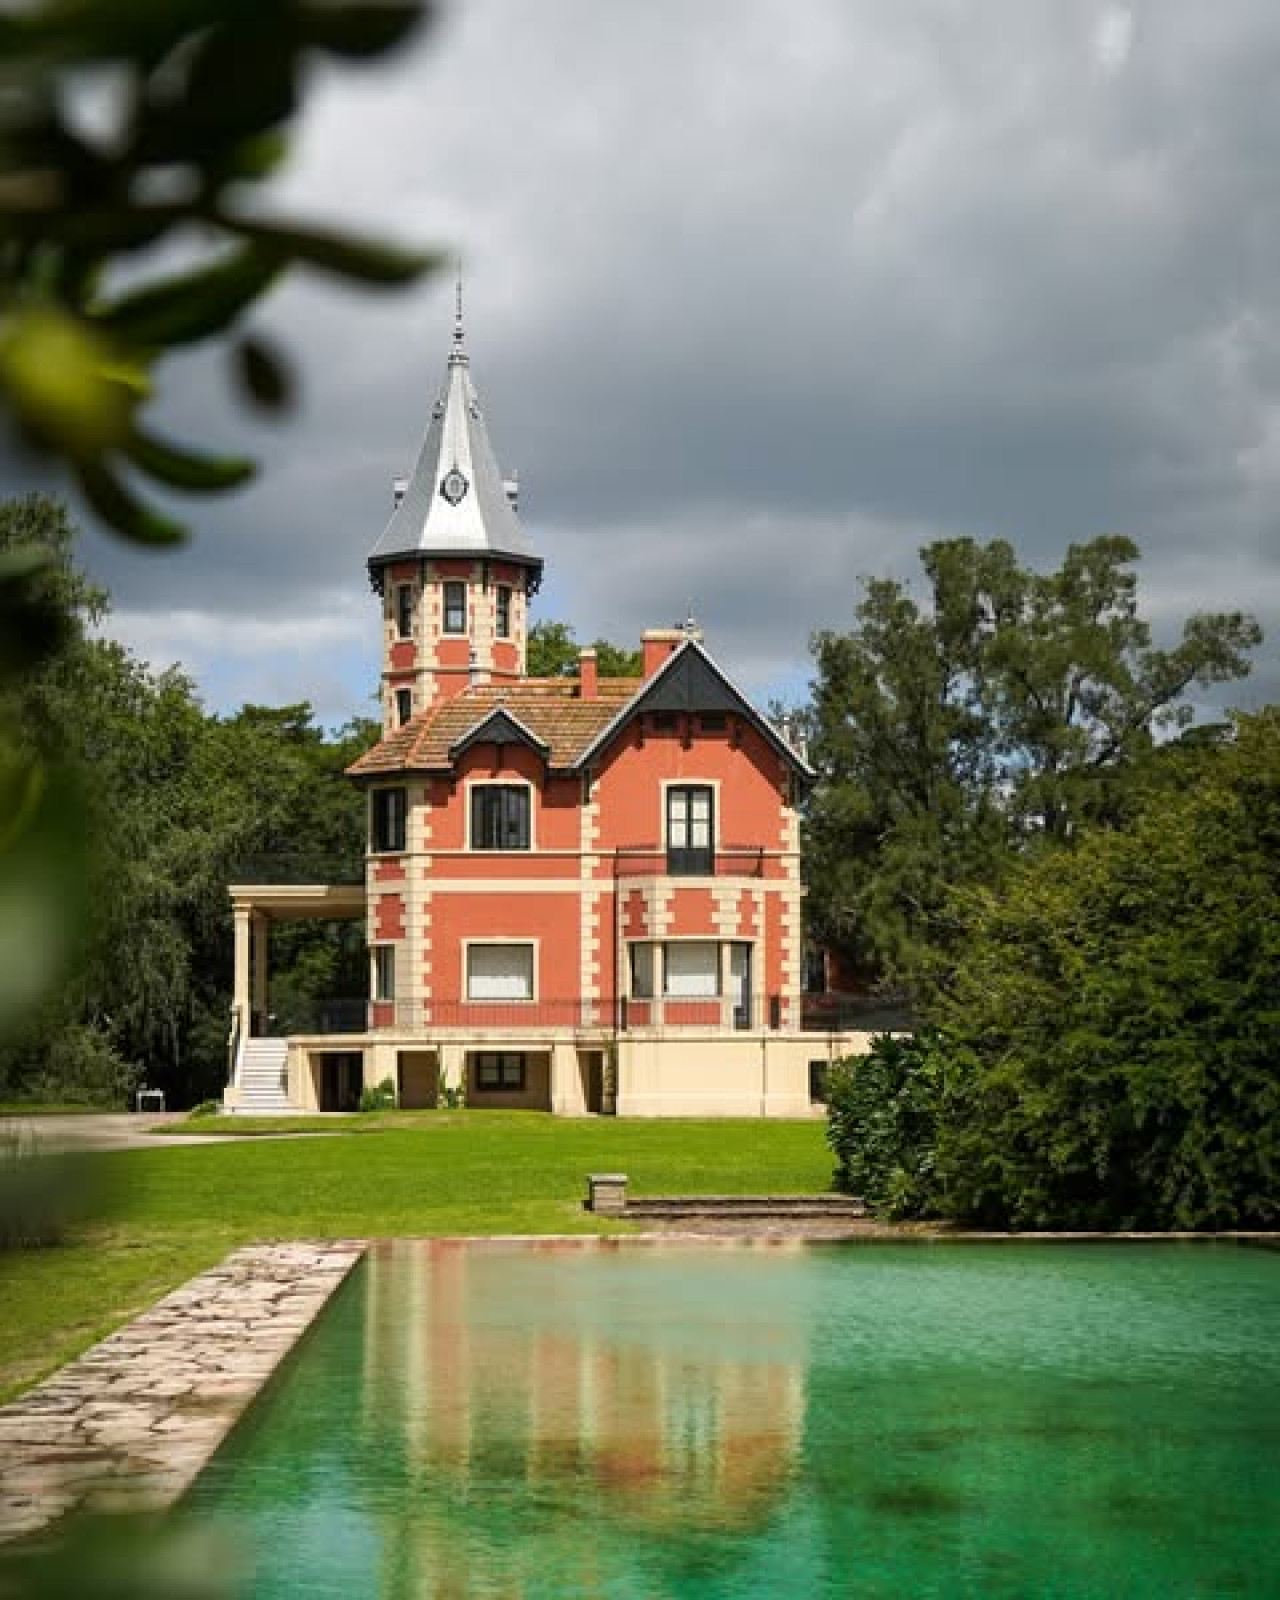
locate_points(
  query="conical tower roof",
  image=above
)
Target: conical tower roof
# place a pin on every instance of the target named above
(456, 503)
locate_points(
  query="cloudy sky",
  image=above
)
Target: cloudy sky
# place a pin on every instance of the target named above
(761, 298)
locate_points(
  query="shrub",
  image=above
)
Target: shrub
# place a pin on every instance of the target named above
(451, 1096)
(883, 1113)
(379, 1098)
(206, 1108)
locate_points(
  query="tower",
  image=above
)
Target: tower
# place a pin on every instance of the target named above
(453, 566)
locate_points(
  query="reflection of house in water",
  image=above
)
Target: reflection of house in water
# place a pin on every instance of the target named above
(523, 1391)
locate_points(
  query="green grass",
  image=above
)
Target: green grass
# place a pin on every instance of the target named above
(174, 1211)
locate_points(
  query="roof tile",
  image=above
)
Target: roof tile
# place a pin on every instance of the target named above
(549, 707)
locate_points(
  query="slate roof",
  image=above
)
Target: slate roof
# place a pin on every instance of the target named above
(471, 515)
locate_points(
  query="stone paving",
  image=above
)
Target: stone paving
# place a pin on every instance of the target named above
(130, 1424)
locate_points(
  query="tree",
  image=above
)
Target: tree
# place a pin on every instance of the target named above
(553, 652)
(1110, 1032)
(1000, 717)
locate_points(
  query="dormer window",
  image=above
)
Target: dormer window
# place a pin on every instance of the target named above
(455, 607)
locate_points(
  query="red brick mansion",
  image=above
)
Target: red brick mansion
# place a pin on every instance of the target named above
(580, 894)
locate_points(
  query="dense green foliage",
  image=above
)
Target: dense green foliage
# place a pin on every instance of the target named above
(553, 653)
(1109, 1030)
(954, 738)
(1112, 1025)
(882, 1125)
(174, 802)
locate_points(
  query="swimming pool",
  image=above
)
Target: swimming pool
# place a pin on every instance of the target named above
(638, 1419)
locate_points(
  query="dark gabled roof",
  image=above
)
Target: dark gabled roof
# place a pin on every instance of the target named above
(689, 680)
(499, 727)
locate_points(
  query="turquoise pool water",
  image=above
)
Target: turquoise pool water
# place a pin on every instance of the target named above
(637, 1420)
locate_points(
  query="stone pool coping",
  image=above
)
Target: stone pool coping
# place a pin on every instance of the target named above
(129, 1425)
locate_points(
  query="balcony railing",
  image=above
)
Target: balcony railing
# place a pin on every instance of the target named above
(652, 861)
(298, 868)
(665, 1013)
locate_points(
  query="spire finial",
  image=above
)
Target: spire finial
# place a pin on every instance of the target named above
(457, 314)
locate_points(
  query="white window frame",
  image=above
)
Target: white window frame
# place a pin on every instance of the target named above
(399, 608)
(471, 945)
(377, 797)
(383, 978)
(445, 585)
(502, 783)
(717, 818)
(679, 948)
(643, 985)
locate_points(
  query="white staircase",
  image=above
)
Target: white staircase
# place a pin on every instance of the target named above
(262, 1079)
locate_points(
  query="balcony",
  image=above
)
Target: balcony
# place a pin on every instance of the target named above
(295, 867)
(652, 861)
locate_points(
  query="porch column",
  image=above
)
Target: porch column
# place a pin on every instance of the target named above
(240, 986)
(453, 1064)
(260, 943)
(567, 1099)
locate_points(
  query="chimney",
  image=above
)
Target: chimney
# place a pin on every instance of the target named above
(588, 678)
(656, 644)
(399, 488)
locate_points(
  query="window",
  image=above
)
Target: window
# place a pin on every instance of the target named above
(404, 610)
(499, 972)
(504, 611)
(642, 971)
(693, 969)
(404, 706)
(500, 1069)
(387, 819)
(499, 816)
(384, 972)
(455, 608)
(690, 814)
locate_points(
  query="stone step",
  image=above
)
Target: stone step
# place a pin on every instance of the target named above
(831, 1207)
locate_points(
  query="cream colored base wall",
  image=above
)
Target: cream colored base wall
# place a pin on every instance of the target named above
(718, 1075)
(660, 1075)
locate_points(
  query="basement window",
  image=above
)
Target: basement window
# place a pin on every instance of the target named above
(501, 1070)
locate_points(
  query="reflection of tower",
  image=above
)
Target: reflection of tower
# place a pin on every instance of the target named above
(454, 566)
(517, 1385)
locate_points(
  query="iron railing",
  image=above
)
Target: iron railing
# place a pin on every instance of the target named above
(654, 861)
(298, 868)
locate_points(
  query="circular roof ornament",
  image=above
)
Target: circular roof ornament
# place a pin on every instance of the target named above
(453, 486)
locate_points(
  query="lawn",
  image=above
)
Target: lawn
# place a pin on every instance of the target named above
(175, 1210)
